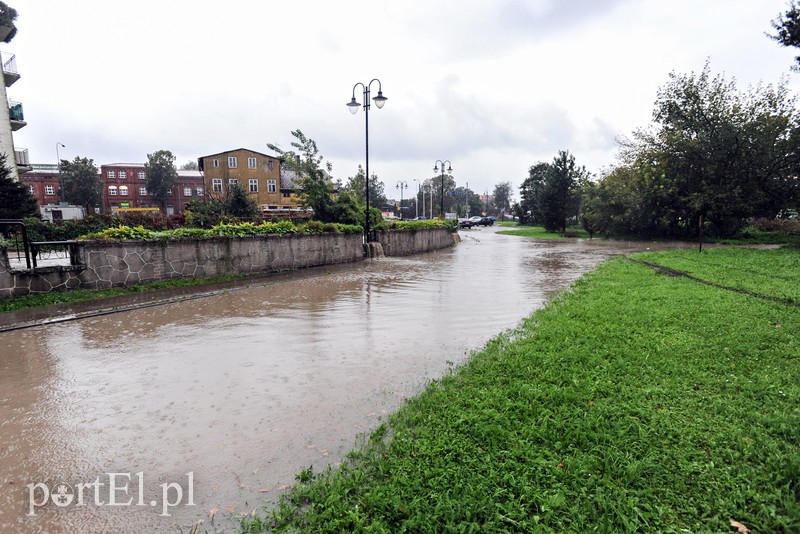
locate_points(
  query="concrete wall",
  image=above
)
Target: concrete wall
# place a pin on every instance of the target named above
(104, 265)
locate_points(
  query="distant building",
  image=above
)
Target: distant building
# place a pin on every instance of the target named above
(125, 186)
(42, 180)
(264, 178)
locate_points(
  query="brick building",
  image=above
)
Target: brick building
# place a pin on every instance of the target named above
(125, 186)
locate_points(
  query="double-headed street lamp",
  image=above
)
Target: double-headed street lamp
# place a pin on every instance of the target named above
(353, 105)
(402, 184)
(436, 169)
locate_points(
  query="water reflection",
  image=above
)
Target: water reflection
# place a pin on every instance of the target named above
(248, 387)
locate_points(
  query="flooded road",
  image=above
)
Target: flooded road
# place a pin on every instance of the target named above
(215, 404)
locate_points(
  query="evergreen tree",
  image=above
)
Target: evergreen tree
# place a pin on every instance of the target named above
(16, 201)
(81, 182)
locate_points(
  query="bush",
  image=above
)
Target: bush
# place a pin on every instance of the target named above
(784, 226)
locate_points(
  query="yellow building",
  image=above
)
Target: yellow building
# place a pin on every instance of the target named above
(257, 174)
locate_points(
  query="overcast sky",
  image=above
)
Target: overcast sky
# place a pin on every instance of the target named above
(494, 86)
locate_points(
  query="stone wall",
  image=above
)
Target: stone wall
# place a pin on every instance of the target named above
(104, 265)
(406, 242)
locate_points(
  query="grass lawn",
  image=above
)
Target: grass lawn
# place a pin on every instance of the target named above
(540, 233)
(636, 401)
(82, 295)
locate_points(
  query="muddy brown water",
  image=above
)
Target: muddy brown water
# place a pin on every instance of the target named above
(221, 401)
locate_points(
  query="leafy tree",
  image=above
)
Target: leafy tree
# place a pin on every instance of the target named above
(377, 194)
(345, 209)
(16, 201)
(204, 213)
(551, 193)
(502, 196)
(81, 182)
(161, 175)
(8, 15)
(238, 204)
(788, 27)
(716, 156)
(190, 165)
(314, 177)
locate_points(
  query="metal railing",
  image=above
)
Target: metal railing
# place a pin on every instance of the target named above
(15, 233)
(9, 62)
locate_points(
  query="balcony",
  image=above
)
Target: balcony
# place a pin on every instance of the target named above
(23, 162)
(10, 74)
(16, 115)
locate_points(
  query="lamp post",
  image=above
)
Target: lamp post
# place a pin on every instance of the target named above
(60, 183)
(353, 105)
(402, 184)
(416, 201)
(436, 169)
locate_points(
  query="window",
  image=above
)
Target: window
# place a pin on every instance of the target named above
(272, 186)
(111, 174)
(286, 195)
(253, 185)
(251, 163)
(232, 162)
(199, 191)
(32, 189)
(143, 191)
(233, 182)
(269, 164)
(49, 190)
(141, 175)
(187, 191)
(123, 175)
(216, 185)
(123, 190)
(216, 163)
(112, 190)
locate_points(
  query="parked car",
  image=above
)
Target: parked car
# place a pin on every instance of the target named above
(465, 223)
(477, 220)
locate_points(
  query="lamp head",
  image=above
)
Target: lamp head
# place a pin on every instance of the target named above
(353, 105)
(380, 100)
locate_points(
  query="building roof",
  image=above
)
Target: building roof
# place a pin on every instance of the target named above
(237, 149)
(138, 165)
(189, 174)
(289, 179)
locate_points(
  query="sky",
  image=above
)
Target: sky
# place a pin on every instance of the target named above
(492, 86)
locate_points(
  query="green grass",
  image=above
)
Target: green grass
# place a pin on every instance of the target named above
(636, 401)
(773, 273)
(540, 233)
(83, 295)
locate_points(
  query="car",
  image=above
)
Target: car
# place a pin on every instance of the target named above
(465, 223)
(478, 220)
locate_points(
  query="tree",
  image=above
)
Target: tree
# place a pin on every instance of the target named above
(502, 196)
(190, 165)
(16, 201)
(551, 193)
(161, 175)
(316, 185)
(238, 204)
(81, 183)
(714, 156)
(357, 187)
(788, 27)
(8, 15)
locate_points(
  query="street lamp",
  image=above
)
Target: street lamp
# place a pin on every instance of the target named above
(353, 105)
(416, 201)
(402, 184)
(436, 169)
(60, 183)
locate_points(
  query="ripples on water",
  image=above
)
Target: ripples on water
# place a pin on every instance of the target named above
(248, 387)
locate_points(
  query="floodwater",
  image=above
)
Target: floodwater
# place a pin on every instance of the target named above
(214, 405)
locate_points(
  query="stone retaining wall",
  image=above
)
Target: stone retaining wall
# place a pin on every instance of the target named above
(104, 265)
